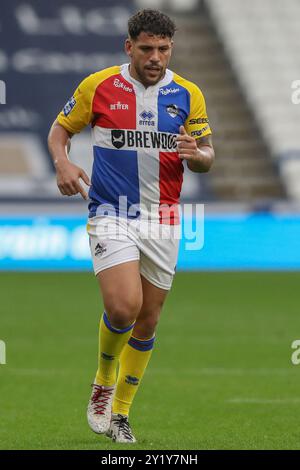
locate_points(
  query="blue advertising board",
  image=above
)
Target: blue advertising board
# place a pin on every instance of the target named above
(231, 242)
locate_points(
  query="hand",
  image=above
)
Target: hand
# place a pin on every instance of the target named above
(186, 145)
(67, 176)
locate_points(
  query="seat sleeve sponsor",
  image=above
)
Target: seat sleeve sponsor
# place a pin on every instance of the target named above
(197, 123)
(78, 111)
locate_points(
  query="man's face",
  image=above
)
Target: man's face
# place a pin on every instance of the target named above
(150, 56)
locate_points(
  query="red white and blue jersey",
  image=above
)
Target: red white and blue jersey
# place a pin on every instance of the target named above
(134, 138)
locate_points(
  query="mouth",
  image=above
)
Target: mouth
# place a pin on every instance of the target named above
(153, 69)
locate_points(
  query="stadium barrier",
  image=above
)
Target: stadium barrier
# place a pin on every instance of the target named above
(250, 241)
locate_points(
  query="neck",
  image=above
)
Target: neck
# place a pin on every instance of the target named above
(133, 73)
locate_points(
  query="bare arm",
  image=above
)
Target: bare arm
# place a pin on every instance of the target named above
(67, 174)
(199, 153)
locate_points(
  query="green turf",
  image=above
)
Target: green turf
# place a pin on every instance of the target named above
(220, 377)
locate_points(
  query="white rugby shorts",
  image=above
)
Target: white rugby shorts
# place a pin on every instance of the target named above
(116, 240)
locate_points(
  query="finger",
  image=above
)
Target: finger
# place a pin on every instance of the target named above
(70, 189)
(62, 191)
(182, 131)
(85, 178)
(185, 138)
(81, 191)
(185, 156)
(187, 145)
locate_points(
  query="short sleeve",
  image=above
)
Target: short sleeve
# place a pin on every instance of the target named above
(197, 123)
(77, 112)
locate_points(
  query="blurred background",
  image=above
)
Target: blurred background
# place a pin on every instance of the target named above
(243, 55)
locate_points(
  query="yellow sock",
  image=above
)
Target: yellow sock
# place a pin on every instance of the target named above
(133, 362)
(111, 343)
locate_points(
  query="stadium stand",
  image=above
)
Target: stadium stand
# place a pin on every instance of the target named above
(261, 39)
(247, 121)
(24, 168)
(243, 170)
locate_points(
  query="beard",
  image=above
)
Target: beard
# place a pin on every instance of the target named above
(150, 75)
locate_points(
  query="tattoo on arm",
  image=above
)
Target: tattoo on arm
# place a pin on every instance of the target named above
(207, 140)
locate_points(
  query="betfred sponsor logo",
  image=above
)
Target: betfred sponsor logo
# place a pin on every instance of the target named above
(118, 106)
(143, 139)
(119, 84)
(167, 91)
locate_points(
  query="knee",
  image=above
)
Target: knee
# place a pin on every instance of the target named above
(123, 313)
(144, 328)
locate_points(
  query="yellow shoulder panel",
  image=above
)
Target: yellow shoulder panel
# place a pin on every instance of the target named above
(78, 112)
(197, 124)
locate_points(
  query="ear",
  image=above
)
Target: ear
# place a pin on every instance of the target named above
(128, 47)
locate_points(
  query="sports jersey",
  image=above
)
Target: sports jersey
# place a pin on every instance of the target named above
(134, 132)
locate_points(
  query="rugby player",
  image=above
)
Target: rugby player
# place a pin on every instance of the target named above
(146, 120)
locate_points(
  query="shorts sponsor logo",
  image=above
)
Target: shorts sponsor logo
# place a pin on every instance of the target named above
(100, 249)
(119, 84)
(119, 106)
(69, 106)
(199, 121)
(147, 118)
(172, 110)
(167, 91)
(143, 139)
(131, 380)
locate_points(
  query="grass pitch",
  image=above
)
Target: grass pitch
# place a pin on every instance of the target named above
(220, 377)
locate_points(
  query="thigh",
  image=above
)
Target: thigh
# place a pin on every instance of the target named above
(153, 300)
(122, 292)
(116, 265)
(159, 257)
(110, 243)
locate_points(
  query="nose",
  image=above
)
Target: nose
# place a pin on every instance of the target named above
(155, 56)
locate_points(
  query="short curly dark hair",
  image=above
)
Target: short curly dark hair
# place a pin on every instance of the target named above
(151, 21)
